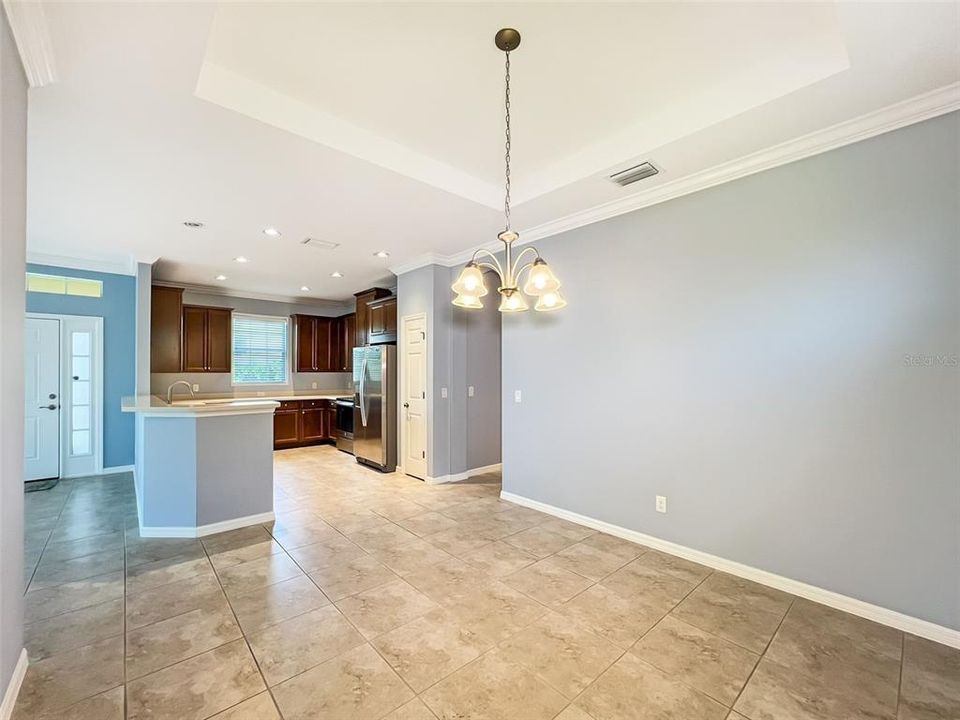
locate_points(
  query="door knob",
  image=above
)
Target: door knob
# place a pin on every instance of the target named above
(406, 405)
(51, 406)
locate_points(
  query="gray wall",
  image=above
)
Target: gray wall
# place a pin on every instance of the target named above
(13, 174)
(776, 355)
(465, 350)
(482, 342)
(144, 277)
(220, 383)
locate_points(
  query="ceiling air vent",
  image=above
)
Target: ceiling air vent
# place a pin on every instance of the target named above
(631, 175)
(319, 244)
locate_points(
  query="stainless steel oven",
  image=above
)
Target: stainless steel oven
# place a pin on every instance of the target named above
(345, 424)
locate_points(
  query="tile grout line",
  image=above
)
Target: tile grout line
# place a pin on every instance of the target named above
(243, 635)
(903, 651)
(793, 600)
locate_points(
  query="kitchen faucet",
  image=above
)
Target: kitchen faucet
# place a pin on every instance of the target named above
(173, 385)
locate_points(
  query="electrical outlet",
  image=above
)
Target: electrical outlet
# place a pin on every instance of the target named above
(470, 391)
(196, 387)
(260, 393)
(313, 385)
(661, 503)
(517, 396)
(443, 392)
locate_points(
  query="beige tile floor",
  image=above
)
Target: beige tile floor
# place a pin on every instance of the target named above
(376, 596)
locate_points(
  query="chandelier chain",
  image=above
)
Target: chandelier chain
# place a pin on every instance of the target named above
(506, 104)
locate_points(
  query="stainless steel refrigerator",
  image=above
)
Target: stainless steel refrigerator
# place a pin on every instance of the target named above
(375, 406)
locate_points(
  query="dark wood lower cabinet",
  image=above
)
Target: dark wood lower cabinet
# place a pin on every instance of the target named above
(304, 422)
(286, 428)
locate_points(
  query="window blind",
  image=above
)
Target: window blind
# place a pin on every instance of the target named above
(259, 350)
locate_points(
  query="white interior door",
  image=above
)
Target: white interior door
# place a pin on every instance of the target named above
(414, 400)
(42, 399)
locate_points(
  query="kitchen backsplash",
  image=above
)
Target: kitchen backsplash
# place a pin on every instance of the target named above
(212, 383)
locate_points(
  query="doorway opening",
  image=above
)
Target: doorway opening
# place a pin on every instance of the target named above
(63, 398)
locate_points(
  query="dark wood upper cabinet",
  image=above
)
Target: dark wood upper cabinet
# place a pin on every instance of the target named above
(166, 315)
(382, 321)
(362, 319)
(304, 343)
(325, 345)
(194, 339)
(219, 340)
(206, 339)
(348, 337)
(315, 344)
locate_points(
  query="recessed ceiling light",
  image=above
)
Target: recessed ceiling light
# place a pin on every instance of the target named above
(221, 277)
(271, 232)
(336, 274)
(240, 259)
(193, 224)
(382, 254)
(304, 288)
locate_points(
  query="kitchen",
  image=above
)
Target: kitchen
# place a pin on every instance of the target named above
(325, 373)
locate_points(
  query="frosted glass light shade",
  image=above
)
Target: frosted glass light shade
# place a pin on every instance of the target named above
(512, 300)
(540, 279)
(470, 282)
(471, 302)
(550, 301)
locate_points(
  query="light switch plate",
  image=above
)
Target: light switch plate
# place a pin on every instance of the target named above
(313, 385)
(470, 391)
(661, 503)
(516, 396)
(196, 387)
(443, 392)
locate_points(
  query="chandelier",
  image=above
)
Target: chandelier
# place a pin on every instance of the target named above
(540, 283)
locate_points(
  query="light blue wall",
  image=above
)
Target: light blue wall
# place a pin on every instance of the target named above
(118, 308)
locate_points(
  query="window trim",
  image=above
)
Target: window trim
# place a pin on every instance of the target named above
(287, 380)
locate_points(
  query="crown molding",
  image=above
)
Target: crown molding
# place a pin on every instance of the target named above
(126, 265)
(269, 297)
(32, 35)
(913, 110)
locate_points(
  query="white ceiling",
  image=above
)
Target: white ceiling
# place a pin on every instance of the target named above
(380, 126)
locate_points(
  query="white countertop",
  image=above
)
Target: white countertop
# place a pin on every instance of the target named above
(269, 395)
(155, 405)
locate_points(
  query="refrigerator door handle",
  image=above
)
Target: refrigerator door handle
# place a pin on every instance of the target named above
(363, 400)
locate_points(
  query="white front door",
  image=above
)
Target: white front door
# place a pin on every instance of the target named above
(414, 400)
(42, 399)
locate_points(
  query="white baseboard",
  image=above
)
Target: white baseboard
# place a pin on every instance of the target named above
(117, 469)
(464, 475)
(13, 687)
(204, 530)
(882, 615)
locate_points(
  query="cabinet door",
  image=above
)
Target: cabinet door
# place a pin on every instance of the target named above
(219, 334)
(286, 428)
(194, 339)
(331, 422)
(361, 320)
(336, 344)
(324, 342)
(166, 316)
(382, 321)
(305, 328)
(349, 339)
(313, 424)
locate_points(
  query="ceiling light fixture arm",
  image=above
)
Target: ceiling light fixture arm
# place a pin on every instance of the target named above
(517, 268)
(495, 266)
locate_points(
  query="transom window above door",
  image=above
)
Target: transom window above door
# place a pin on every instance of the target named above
(260, 346)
